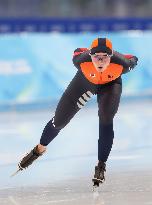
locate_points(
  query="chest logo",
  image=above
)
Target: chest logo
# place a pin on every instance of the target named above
(92, 75)
(110, 76)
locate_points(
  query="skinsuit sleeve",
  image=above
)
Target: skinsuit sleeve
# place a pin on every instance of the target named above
(81, 55)
(127, 61)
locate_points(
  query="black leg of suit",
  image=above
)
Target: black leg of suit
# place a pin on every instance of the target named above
(73, 99)
(108, 97)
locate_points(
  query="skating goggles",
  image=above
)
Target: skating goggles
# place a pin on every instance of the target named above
(101, 58)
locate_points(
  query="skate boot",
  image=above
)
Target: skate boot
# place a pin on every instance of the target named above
(28, 160)
(99, 174)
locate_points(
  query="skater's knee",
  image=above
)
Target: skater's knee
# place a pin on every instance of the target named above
(106, 118)
(58, 124)
(107, 115)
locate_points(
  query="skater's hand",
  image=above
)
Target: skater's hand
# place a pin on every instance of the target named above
(133, 62)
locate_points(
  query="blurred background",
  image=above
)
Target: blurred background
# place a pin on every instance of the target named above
(37, 40)
(75, 8)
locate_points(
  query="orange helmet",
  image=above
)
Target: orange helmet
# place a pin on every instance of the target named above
(101, 45)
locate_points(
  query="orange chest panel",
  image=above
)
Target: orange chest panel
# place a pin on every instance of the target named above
(112, 72)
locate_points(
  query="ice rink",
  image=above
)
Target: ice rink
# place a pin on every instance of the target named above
(63, 175)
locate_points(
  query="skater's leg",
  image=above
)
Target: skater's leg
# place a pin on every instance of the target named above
(76, 95)
(64, 112)
(108, 103)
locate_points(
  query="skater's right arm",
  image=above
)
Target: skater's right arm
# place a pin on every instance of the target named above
(127, 61)
(81, 55)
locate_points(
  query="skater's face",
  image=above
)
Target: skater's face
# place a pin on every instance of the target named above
(100, 61)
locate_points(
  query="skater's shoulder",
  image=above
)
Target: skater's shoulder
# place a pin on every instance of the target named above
(78, 51)
(81, 55)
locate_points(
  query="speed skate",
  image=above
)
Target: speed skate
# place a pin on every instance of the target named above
(27, 160)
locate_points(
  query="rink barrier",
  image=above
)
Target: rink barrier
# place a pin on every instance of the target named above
(73, 25)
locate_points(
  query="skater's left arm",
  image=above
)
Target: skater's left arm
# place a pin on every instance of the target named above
(127, 61)
(81, 55)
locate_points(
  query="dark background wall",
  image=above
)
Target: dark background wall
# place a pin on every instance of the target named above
(75, 8)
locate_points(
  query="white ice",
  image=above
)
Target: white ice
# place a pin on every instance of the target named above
(63, 175)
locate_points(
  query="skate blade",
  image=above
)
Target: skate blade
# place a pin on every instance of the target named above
(96, 183)
(95, 187)
(15, 173)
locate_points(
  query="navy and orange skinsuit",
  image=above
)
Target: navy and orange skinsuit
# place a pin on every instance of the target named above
(119, 65)
(87, 82)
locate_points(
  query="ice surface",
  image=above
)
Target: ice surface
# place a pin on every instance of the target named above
(63, 175)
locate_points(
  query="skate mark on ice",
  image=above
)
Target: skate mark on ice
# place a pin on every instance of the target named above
(11, 199)
(65, 200)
